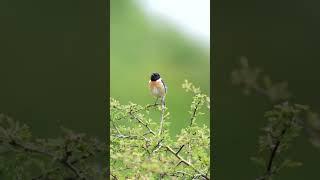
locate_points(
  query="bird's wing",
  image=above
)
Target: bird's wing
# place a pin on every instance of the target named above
(165, 86)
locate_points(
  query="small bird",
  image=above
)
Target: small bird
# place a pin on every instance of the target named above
(157, 87)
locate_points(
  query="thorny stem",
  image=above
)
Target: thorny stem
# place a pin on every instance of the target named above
(186, 162)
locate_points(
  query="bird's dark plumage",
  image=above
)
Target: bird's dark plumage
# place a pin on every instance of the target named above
(165, 87)
(155, 76)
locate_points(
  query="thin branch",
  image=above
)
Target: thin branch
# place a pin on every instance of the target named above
(180, 149)
(273, 155)
(148, 106)
(13, 143)
(157, 147)
(141, 122)
(269, 172)
(122, 136)
(114, 177)
(179, 163)
(183, 173)
(115, 127)
(194, 113)
(186, 162)
(65, 161)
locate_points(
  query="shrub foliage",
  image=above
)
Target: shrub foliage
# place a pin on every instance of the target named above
(141, 149)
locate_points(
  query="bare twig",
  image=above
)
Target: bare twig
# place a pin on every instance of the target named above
(194, 113)
(269, 172)
(186, 162)
(158, 146)
(141, 122)
(180, 149)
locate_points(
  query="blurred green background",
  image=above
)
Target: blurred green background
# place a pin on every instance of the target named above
(141, 45)
(282, 38)
(53, 65)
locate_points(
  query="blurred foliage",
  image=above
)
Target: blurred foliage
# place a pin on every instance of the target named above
(252, 79)
(140, 45)
(138, 151)
(284, 125)
(72, 156)
(284, 122)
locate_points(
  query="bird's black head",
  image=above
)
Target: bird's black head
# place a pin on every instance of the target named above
(155, 76)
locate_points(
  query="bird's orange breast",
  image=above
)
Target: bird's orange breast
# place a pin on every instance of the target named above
(157, 88)
(155, 84)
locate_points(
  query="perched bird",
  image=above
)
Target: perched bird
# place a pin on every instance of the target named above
(157, 87)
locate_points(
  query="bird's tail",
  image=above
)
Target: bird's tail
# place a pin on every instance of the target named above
(163, 102)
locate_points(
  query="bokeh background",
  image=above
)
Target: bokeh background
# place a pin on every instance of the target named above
(145, 39)
(282, 38)
(53, 65)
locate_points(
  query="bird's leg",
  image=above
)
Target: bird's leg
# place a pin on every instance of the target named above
(155, 103)
(162, 115)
